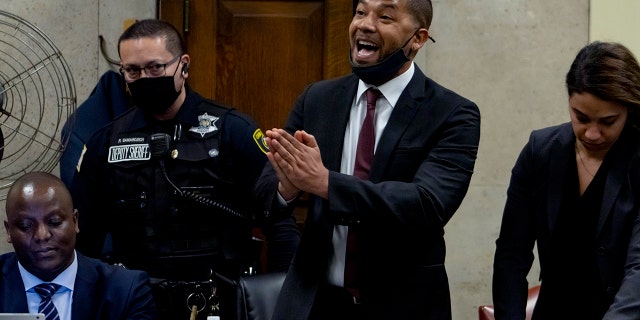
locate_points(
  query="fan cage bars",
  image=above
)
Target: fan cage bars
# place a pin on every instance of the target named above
(37, 96)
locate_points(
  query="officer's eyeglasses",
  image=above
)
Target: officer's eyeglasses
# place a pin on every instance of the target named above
(152, 71)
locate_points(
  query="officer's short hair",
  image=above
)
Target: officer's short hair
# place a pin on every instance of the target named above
(151, 28)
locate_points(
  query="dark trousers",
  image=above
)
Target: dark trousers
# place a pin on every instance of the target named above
(335, 303)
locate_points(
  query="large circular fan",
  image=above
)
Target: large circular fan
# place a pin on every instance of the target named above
(37, 96)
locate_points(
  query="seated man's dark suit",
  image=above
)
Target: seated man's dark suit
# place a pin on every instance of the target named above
(101, 291)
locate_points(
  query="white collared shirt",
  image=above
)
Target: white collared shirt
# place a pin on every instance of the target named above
(391, 92)
(62, 299)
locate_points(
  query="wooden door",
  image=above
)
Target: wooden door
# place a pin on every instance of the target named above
(258, 56)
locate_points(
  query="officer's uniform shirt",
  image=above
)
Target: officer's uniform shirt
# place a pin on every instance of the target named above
(198, 138)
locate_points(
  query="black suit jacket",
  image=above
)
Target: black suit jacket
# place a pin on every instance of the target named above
(421, 172)
(101, 291)
(533, 204)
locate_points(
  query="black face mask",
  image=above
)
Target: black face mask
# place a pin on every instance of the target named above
(382, 71)
(154, 95)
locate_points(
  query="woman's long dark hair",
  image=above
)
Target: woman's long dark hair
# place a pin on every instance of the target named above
(609, 71)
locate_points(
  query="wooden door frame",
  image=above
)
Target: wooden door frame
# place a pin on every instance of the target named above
(338, 15)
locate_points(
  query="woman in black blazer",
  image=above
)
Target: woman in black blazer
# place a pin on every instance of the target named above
(575, 193)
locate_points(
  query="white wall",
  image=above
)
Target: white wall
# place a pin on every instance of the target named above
(616, 20)
(510, 57)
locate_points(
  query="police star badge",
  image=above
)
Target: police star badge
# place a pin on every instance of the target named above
(206, 124)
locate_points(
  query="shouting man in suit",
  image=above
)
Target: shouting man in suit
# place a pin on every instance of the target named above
(396, 198)
(42, 226)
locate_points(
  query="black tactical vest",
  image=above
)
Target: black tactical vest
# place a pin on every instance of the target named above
(175, 212)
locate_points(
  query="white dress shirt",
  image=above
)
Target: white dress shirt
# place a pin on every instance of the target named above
(391, 92)
(62, 299)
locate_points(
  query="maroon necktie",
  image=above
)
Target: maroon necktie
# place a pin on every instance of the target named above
(367, 138)
(364, 158)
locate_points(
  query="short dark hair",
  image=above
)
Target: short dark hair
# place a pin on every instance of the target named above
(152, 28)
(609, 71)
(422, 11)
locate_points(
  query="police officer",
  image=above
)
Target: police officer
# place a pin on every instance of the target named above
(169, 182)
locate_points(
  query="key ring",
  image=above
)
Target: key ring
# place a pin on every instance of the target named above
(198, 297)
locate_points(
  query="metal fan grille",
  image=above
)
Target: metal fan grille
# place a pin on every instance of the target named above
(37, 95)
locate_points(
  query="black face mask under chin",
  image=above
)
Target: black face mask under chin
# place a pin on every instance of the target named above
(382, 71)
(154, 95)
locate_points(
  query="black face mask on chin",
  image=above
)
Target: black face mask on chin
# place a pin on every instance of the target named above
(382, 71)
(154, 95)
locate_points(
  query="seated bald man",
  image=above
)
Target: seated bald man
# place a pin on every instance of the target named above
(46, 275)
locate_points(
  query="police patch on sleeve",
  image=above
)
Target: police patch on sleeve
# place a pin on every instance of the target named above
(259, 138)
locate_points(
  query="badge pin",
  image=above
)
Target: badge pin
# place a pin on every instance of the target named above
(206, 124)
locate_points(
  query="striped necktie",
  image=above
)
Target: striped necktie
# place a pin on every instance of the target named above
(45, 291)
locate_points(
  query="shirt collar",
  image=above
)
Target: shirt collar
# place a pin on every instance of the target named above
(66, 278)
(392, 89)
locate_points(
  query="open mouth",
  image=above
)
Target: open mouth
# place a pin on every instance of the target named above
(366, 48)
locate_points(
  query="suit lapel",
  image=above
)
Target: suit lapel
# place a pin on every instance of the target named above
(332, 141)
(401, 117)
(611, 189)
(86, 282)
(12, 291)
(558, 166)
(618, 159)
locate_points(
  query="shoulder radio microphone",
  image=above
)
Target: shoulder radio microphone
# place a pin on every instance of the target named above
(159, 145)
